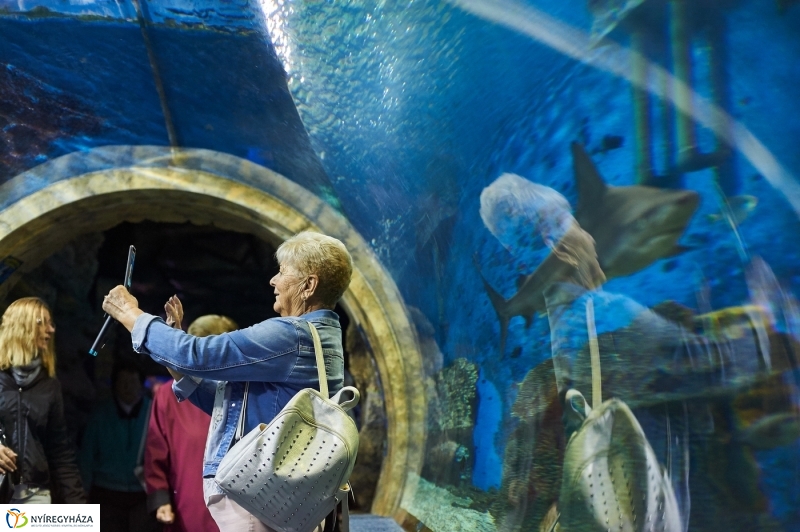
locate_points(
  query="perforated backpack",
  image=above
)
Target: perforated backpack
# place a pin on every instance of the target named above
(292, 472)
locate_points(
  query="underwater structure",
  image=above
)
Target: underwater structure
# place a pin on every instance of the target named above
(574, 226)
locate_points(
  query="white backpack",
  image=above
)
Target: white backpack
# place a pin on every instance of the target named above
(612, 479)
(292, 472)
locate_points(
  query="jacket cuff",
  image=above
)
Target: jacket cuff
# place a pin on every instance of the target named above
(157, 499)
(184, 387)
(139, 332)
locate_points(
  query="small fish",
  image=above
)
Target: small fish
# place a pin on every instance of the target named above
(740, 209)
(608, 143)
(669, 265)
(774, 430)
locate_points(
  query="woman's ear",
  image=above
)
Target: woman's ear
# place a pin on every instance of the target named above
(310, 288)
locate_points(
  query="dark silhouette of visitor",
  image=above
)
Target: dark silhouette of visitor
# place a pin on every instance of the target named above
(110, 453)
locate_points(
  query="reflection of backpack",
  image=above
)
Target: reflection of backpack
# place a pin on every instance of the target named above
(293, 472)
(611, 478)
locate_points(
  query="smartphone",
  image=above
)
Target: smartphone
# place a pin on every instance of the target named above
(129, 268)
(100, 340)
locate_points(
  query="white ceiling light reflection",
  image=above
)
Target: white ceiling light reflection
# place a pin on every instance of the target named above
(276, 14)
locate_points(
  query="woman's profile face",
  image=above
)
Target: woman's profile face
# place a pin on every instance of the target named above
(287, 283)
(44, 330)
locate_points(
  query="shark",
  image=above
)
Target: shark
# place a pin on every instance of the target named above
(632, 227)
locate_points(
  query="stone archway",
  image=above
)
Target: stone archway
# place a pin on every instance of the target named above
(48, 206)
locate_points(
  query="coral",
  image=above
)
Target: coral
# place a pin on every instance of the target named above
(455, 388)
(535, 392)
(534, 452)
(451, 418)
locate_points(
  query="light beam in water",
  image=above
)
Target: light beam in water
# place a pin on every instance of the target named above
(617, 60)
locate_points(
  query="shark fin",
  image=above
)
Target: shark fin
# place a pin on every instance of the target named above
(588, 180)
(499, 305)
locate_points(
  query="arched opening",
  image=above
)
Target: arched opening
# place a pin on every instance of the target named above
(213, 271)
(94, 191)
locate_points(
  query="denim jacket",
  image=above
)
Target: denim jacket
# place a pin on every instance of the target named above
(275, 356)
(645, 358)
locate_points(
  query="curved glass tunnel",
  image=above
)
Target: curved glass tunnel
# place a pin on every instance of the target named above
(575, 225)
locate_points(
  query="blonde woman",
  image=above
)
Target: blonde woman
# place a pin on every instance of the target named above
(40, 455)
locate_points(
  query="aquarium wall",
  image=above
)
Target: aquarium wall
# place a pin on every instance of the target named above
(574, 224)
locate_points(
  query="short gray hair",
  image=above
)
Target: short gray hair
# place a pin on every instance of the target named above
(314, 253)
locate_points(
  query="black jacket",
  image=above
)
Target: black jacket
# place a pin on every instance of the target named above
(33, 418)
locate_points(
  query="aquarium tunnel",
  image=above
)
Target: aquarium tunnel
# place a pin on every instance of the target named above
(575, 231)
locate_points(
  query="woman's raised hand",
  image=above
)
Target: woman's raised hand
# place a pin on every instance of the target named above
(122, 306)
(174, 310)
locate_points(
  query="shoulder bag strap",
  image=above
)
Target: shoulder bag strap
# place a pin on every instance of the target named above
(594, 353)
(240, 426)
(323, 378)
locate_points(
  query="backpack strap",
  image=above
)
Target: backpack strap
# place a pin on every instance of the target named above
(331, 520)
(323, 378)
(240, 425)
(344, 496)
(594, 353)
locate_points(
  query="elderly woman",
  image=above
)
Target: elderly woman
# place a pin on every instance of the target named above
(40, 453)
(275, 356)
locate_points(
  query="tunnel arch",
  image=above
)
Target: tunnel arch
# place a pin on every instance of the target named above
(50, 205)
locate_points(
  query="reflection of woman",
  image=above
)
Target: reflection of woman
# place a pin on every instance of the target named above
(276, 356)
(31, 409)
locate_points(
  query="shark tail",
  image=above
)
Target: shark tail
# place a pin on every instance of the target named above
(499, 305)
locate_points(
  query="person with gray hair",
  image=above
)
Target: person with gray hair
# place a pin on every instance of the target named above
(275, 358)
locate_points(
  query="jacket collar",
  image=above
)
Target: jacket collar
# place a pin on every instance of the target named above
(328, 317)
(7, 380)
